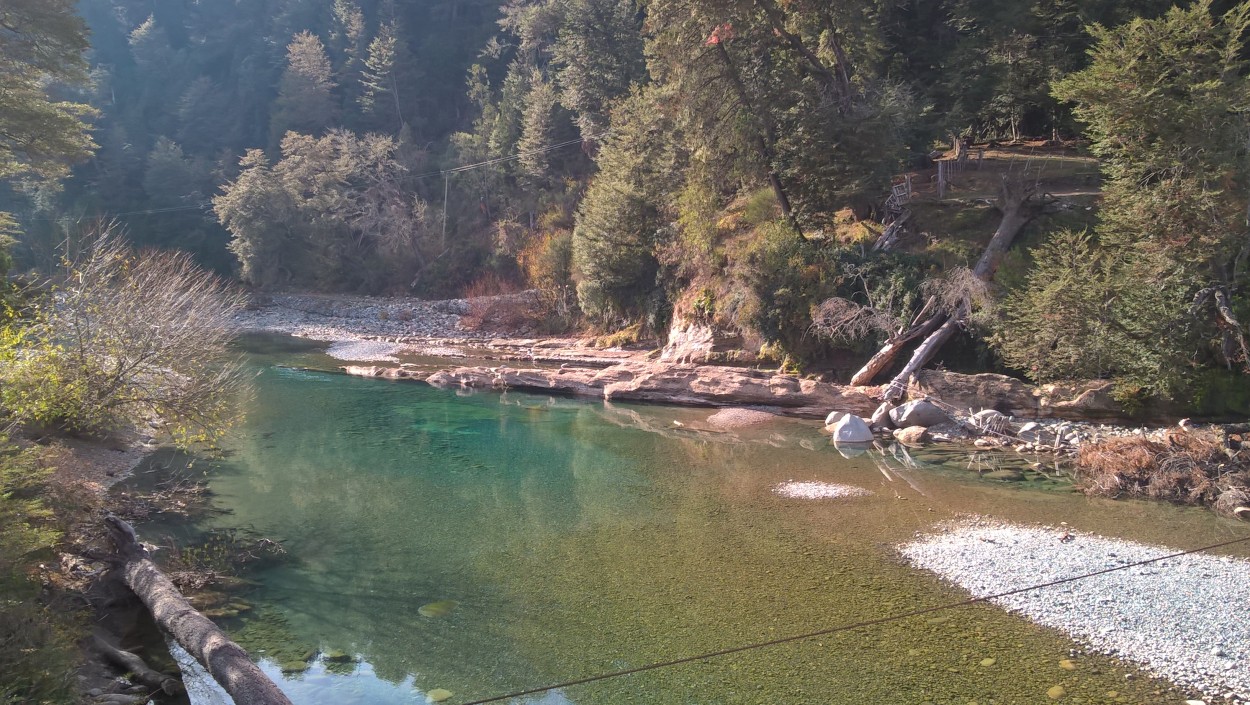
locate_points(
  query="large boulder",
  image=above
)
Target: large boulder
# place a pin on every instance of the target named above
(918, 413)
(912, 435)
(851, 429)
(881, 417)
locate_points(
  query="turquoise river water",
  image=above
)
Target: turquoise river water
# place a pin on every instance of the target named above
(550, 539)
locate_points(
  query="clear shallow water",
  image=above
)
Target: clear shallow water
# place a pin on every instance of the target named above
(578, 537)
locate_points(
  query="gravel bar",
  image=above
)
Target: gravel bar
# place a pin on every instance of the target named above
(1186, 619)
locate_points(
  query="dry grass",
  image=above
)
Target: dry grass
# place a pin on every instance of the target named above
(1185, 467)
(494, 305)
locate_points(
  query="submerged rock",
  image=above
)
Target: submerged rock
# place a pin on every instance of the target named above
(438, 695)
(442, 608)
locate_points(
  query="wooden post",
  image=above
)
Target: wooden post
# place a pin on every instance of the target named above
(942, 179)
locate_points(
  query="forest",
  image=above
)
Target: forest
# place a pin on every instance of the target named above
(723, 163)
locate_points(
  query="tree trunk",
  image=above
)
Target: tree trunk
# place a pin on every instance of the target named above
(225, 660)
(879, 362)
(1013, 202)
(765, 138)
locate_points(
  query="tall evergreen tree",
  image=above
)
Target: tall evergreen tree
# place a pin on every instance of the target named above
(305, 100)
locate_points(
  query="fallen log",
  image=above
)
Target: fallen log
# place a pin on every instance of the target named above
(885, 356)
(1014, 202)
(225, 660)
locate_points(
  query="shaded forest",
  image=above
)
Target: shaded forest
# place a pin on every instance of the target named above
(726, 164)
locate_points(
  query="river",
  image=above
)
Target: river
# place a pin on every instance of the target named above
(477, 544)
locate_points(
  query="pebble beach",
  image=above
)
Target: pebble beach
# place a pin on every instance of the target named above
(1182, 618)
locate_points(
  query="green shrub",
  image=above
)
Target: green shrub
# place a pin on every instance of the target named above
(36, 655)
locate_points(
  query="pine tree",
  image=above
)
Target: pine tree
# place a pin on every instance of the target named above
(44, 41)
(381, 78)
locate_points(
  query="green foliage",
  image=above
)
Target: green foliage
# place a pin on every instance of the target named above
(790, 278)
(37, 657)
(305, 102)
(332, 214)
(619, 223)
(1058, 325)
(1163, 100)
(44, 41)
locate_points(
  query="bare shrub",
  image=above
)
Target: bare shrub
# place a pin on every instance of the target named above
(495, 304)
(844, 320)
(126, 338)
(1187, 467)
(959, 292)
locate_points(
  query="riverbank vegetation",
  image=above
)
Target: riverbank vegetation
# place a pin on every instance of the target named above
(740, 166)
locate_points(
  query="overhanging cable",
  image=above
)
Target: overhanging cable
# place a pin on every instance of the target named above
(843, 627)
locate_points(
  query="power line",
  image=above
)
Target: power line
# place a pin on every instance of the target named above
(841, 628)
(149, 211)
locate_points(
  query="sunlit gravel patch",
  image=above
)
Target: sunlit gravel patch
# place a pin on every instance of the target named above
(818, 490)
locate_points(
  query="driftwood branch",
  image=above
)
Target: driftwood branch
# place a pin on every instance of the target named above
(137, 668)
(225, 660)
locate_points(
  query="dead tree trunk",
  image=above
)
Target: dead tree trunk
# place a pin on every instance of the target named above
(1014, 202)
(225, 660)
(920, 326)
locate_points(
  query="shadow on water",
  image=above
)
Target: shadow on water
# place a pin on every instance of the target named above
(488, 542)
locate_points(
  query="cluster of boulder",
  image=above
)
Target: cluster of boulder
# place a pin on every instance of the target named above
(924, 420)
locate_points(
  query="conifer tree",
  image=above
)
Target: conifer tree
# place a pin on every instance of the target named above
(305, 100)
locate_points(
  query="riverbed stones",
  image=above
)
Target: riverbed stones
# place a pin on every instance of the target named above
(912, 435)
(881, 417)
(921, 412)
(851, 429)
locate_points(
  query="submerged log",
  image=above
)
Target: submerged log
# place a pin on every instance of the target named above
(225, 660)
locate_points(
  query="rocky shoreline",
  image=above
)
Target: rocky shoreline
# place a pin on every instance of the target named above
(371, 330)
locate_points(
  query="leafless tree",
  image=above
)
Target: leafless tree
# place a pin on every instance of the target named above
(128, 337)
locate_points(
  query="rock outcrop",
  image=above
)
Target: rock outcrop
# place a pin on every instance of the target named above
(1084, 401)
(691, 385)
(701, 343)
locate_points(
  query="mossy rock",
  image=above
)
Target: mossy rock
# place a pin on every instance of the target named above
(293, 667)
(337, 656)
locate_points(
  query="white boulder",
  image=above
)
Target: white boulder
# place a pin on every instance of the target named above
(851, 429)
